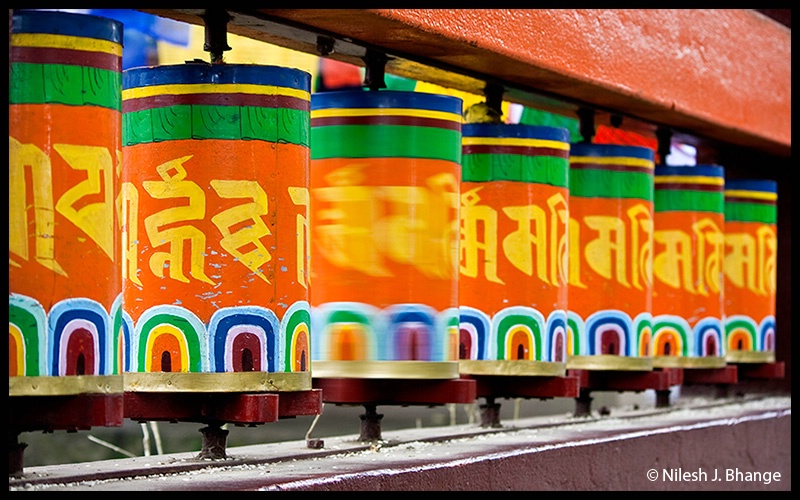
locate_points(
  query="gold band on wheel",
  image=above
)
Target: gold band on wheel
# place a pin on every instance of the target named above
(688, 362)
(609, 362)
(750, 357)
(65, 385)
(217, 382)
(386, 369)
(511, 367)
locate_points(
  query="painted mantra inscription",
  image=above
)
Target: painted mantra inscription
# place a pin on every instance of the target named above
(614, 248)
(241, 229)
(537, 245)
(694, 269)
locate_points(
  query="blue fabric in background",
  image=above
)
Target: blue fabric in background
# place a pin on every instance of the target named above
(141, 34)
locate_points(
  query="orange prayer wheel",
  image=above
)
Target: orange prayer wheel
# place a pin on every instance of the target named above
(215, 210)
(385, 173)
(688, 238)
(513, 282)
(64, 165)
(610, 257)
(750, 267)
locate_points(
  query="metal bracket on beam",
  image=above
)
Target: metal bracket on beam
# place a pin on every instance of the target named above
(664, 136)
(586, 117)
(494, 97)
(216, 31)
(374, 76)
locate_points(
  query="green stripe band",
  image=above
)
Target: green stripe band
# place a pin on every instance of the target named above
(508, 167)
(667, 200)
(63, 84)
(216, 122)
(385, 141)
(594, 183)
(751, 212)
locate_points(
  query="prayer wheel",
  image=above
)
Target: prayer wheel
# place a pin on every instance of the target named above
(214, 204)
(385, 173)
(64, 163)
(688, 240)
(513, 257)
(750, 267)
(610, 237)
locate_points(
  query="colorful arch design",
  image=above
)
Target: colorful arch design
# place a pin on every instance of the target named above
(346, 331)
(741, 333)
(182, 331)
(296, 332)
(448, 321)
(474, 325)
(575, 329)
(767, 333)
(708, 338)
(121, 337)
(413, 333)
(609, 328)
(671, 336)
(519, 327)
(78, 338)
(557, 336)
(643, 326)
(233, 330)
(27, 337)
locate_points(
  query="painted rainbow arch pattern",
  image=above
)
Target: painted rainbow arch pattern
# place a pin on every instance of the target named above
(744, 334)
(673, 336)
(296, 333)
(575, 325)
(248, 329)
(475, 328)
(78, 336)
(74, 338)
(557, 336)
(354, 331)
(346, 331)
(514, 333)
(27, 336)
(169, 338)
(122, 337)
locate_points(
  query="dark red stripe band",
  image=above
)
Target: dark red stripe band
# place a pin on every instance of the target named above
(612, 167)
(676, 186)
(256, 100)
(734, 199)
(39, 55)
(385, 120)
(514, 150)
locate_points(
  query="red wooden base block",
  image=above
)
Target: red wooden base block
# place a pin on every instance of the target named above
(236, 408)
(67, 413)
(761, 371)
(396, 391)
(659, 379)
(506, 386)
(708, 376)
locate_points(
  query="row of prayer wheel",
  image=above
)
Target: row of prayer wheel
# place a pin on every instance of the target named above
(195, 227)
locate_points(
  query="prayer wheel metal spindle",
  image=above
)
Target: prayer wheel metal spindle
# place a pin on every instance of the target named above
(64, 159)
(688, 239)
(513, 282)
(215, 206)
(610, 257)
(750, 267)
(385, 173)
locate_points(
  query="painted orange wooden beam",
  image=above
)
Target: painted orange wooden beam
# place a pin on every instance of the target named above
(725, 74)
(720, 74)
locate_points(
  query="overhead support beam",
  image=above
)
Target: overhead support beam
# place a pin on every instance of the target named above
(722, 75)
